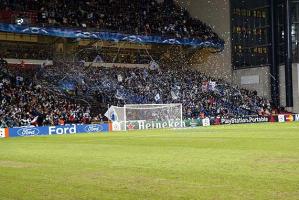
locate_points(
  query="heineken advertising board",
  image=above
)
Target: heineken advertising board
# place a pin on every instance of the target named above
(144, 125)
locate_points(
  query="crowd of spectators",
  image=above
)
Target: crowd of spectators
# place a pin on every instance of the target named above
(199, 94)
(128, 16)
(33, 101)
(23, 102)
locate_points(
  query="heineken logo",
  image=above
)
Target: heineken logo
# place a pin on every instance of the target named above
(130, 126)
(144, 125)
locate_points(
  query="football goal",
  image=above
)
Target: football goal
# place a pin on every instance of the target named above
(145, 116)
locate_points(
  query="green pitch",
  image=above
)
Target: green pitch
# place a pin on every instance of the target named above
(221, 162)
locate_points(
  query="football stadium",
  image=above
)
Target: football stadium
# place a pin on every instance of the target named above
(149, 99)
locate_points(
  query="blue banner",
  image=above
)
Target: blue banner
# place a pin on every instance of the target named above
(92, 128)
(108, 36)
(28, 131)
(58, 130)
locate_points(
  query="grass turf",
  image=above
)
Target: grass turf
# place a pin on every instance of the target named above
(258, 161)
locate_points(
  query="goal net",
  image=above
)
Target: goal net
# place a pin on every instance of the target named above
(145, 116)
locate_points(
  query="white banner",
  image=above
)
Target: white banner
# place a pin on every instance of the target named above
(2, 133)
(116, 126)
(206, 122)
(281, 118)
(157, 97)
(119, 78)
(212, 85)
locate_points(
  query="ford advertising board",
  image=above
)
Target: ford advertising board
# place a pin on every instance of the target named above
(28, 131)
(93, 128)
(58, 130)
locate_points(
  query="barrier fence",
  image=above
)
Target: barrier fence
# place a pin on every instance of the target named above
(107, 127)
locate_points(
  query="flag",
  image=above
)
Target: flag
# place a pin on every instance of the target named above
(98, 59)
(154, 65)
(212, 85)
(157, 97)
(119, 78)
(111, 114)
(20, 78)
(90, 15)
(174, 95)
(145, 73)
(119, 95)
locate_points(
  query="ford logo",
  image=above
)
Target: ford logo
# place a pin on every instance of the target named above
(28, 132)
(93, 128)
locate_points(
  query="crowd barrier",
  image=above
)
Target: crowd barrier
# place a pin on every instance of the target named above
(107, 127)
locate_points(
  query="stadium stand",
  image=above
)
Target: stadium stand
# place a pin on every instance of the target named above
(198, 93)
(68, 92)
(47, 98)
(133, 17)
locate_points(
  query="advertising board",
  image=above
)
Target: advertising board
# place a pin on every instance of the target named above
(145, 125)
(3, 132)
(281, 118)
(57, 130)
(244, 120)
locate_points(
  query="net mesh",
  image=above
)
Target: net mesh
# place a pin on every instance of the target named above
(141, 116)
(163, 112)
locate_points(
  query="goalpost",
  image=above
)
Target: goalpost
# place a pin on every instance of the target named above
(146, 116)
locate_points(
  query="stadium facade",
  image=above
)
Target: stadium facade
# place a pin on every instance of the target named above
(261, 49)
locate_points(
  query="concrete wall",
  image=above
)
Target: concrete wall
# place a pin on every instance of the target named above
(218, 65)
(246, 78)
(263, 86)
(295, 87)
